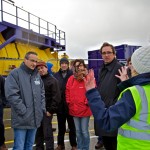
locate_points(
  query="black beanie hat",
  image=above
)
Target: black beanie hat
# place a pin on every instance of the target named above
(64, 60)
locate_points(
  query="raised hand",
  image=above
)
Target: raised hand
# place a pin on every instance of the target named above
(123, 74)
(89, 80)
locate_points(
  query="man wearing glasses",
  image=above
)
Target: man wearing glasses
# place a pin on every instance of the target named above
(24, 91)
(107, 87)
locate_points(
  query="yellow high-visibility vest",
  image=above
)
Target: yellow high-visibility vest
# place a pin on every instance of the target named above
(135, 134)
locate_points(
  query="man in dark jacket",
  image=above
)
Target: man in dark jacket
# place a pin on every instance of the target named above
(107, 87)
(2, 99)
(131, 112)
(24, 90)
(62, 76)
(52, 98)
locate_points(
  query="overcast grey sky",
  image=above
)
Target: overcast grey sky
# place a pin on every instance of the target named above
(89, 23)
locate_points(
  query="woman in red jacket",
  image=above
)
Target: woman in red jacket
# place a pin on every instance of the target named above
(78, 104)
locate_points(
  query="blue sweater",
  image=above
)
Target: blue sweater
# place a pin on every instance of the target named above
(116, 115)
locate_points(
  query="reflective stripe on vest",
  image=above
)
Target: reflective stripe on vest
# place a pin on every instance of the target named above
(138, 127)
(134, 135)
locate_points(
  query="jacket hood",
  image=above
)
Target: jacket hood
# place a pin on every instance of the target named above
(141, 79)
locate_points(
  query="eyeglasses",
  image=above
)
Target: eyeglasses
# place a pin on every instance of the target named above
(106, 53)
(34, 61)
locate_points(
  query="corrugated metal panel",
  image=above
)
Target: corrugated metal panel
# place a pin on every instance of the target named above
(22, 50)
(11, 51)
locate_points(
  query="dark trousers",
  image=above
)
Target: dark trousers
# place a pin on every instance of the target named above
(110, 143)
(2, 138)
(100, 140)
(61, 118)
(45, 134)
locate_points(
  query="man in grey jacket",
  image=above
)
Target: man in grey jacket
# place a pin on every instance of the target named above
(24, 91)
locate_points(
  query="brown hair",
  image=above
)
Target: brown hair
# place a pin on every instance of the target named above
(81, 61)
(110, 45)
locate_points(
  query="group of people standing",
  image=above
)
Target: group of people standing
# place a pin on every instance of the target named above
(34, 96)
(116, 102)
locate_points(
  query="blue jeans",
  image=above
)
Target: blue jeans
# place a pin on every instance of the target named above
(24, 139)
(82, 132)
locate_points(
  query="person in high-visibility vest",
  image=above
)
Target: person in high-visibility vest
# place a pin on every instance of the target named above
(131, 113)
